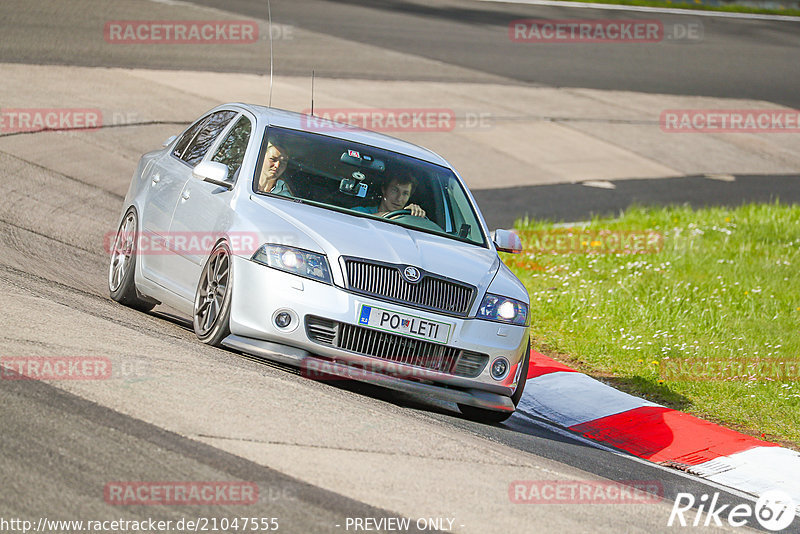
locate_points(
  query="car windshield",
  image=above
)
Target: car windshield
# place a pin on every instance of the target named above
(366, 181)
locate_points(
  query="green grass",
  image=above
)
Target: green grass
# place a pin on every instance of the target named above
(732, 8)
(725, 286)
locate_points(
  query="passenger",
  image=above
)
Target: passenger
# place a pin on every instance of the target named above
(275, 163)
(394, 196)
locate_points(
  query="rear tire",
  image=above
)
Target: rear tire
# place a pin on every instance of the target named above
(212, 300)
(122, 268)
(483, 415)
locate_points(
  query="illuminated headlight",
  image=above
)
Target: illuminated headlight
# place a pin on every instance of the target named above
(295, 261)
(503, 309)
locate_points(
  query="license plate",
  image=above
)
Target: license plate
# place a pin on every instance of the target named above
(406, 325)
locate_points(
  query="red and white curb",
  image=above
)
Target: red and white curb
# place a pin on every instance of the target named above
(653, 432)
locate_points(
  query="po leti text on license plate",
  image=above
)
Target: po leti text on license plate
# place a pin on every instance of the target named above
(407, 325)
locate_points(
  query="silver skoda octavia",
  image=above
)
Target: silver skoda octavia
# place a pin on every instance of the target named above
(347, 253)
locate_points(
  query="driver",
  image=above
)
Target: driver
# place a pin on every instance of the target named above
(394, 196)
(275, 163)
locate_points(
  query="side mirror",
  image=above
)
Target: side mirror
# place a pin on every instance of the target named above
(169, 141)
(507, 241)
(213, 172)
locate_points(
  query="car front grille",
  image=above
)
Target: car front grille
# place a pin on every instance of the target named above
(396, 348)
(385, 281)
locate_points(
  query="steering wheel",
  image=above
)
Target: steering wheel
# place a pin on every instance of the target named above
(396, 213)
(419, 222)
(400, 213)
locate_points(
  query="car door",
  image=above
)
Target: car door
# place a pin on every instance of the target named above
(165, 179)
(168, 177)
(204, 210)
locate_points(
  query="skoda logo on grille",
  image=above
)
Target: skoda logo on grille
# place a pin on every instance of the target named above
(412, 274)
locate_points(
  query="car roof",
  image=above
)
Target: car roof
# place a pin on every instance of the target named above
(300, 121)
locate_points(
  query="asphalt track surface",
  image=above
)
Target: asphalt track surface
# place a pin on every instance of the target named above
(59, 447)
(736, 58)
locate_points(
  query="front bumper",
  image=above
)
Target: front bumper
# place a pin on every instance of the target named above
(260, 293)
(319, 368)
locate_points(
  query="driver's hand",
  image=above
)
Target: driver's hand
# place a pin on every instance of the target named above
(416, 211)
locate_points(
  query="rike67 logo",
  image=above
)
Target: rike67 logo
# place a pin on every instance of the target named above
(774, 510)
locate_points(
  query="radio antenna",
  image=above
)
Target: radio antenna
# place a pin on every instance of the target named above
(269, 14)
(312, 92)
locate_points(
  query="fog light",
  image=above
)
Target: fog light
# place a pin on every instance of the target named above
(499, 368)
(283, 320)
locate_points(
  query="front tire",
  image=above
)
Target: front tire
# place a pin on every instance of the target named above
(212, 301)
(483, 415)
(122, 268)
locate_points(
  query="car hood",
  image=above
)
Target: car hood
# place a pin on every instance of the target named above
(340, 234)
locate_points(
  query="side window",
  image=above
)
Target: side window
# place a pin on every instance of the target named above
(231, 151)
(213, 125)
(187, 137)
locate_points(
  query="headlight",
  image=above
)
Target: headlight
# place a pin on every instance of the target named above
(503, 309)
(295, 261)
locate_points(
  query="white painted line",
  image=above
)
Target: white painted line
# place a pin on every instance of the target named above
(570, 399)
(602, 184)
(219, 11)
(721, 177)
(756, 471)
(669, 10)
